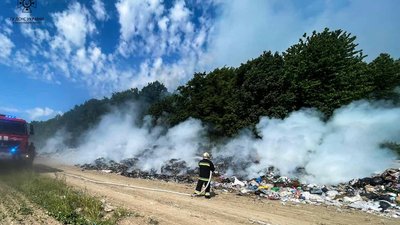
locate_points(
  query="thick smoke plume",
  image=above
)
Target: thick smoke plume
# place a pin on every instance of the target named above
(118, 137)
(301, 145)
(345, 147)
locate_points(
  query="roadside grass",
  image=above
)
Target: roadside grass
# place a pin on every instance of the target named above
(62, 202)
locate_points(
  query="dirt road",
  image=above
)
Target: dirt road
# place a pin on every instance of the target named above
(155, 207)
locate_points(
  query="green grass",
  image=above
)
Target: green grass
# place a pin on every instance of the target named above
(62, 202)
(24, 209)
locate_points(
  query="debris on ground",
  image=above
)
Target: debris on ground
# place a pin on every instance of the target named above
(173, 170)
(378, 194)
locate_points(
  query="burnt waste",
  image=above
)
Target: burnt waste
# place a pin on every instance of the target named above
(174, 170)
(378, 194)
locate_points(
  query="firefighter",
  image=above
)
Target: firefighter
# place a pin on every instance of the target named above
(206, 167)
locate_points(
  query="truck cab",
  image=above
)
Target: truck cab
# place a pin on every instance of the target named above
(14, 140)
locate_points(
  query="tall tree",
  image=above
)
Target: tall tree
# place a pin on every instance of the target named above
(212, 98)
(385, 75)
(83, 117)
(327, 70)
(264, 90)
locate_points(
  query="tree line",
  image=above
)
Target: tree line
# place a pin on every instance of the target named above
(83, 117)
(324, 70)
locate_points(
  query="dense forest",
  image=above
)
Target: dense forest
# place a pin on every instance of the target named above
(324, 70)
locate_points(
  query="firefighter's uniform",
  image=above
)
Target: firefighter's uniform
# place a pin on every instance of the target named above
(205, 167)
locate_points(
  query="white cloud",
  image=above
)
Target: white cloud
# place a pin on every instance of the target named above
(163, 23)
(171, 75)
(166, 40)
(21, 58)
(74, 24)
(160, 34)
(98, 7)
(7, 26)
(26, 59)
(136, 19)
(135, 16)
(37, 35)
(38, 113)
(82, 62)
(6, 46)
(65, 50)
(147, 27)
(89, 60)
(169, 42)
(9, 109)
(179, 12)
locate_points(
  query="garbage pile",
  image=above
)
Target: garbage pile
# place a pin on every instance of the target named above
(174, 170)
(379, 194)
(176, 167)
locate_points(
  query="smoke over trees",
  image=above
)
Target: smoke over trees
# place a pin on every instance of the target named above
(84, 117)
(324, 70)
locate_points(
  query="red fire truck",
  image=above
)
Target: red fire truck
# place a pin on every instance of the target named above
(14, 140)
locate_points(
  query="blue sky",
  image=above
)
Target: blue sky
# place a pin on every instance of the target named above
(89, 49)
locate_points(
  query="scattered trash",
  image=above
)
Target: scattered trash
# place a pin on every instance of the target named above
(258, 222)
(173, 170)
(379, 194)
(238, 182)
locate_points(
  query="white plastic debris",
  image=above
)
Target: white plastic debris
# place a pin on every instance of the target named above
(365, 206)
(352, 199)
(238, 182)
(332, 194)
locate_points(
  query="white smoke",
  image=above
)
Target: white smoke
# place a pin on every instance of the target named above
(56, 143)
(351, 144)
(118, 137)
(285, 144)
(345, 147)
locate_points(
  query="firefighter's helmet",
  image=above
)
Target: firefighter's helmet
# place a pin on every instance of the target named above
(206, 155)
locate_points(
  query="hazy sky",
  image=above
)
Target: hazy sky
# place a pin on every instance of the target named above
(91, 48)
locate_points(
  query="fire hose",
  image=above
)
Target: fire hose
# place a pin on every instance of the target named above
(208, 183)
(134, 187)
(124, 185)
